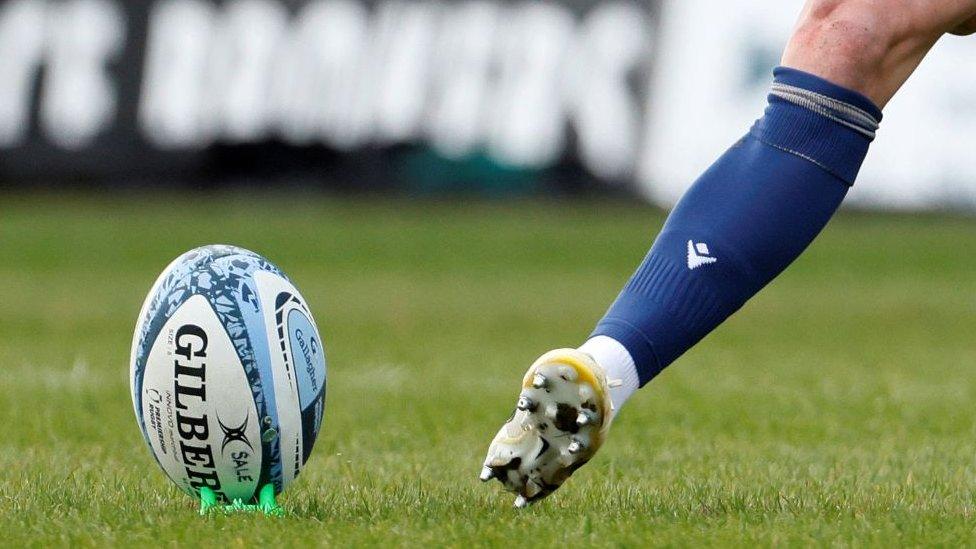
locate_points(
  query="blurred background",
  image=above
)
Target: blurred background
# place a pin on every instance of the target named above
(458, 187)
(483, 97)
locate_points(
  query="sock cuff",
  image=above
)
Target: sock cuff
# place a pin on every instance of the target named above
(844, 114)
(796, 78)
(819, 121)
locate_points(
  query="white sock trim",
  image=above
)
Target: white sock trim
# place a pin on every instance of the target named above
(613, 357)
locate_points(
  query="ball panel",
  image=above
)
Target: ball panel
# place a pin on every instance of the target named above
(275, 295)
(203, 425)
(307, 357)
(232, 289)
(301, 359)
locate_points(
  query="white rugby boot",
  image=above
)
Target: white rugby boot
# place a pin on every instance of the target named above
(561, 419)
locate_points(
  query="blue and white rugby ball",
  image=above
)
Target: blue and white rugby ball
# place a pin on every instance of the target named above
(227, 373)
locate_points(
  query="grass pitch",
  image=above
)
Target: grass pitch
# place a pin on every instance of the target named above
(836, 408)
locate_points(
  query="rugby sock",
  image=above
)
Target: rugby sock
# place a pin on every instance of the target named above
(742, 222)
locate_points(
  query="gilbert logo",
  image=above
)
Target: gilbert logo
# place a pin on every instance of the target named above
(234, 434)
(698, 255)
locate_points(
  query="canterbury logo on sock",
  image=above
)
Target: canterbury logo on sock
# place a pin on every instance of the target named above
(698, 255)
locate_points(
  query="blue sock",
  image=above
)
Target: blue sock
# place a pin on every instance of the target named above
(745, 219)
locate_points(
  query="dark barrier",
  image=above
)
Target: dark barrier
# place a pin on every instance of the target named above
(343, 93)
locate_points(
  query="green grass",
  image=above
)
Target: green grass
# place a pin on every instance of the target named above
(837, 408)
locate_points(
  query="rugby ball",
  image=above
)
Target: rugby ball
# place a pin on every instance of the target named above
(227, 374)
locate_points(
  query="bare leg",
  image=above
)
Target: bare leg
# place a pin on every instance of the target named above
(873, 46)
